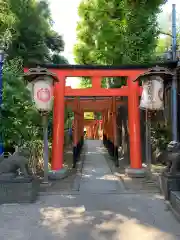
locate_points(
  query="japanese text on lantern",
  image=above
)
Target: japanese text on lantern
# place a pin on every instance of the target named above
(44, 94)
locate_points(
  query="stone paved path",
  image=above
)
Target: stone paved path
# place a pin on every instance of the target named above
(97, 177)
(99, 208)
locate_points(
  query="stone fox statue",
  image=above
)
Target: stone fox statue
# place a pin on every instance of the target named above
(171, 157)
(17, 161)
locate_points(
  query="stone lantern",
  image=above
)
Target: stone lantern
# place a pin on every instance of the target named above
(154, 83)
(40, 83)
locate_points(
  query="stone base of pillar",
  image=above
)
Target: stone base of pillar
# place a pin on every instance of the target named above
(136, 173)
(58, 174)
(45, 184)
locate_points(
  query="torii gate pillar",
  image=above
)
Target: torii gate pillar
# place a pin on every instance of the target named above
(58, 124)
(134, 131)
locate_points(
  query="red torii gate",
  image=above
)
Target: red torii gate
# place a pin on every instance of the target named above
(92, 129)
(96, 73)
(132, 91)
(93, 105)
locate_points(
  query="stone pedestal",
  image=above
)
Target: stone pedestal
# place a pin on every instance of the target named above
(175, 203)
(169, 183)
(19, 190)
(135, 173)
(58, 174)
(7, 176)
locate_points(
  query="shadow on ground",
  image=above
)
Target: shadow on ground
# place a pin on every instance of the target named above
(84, 215)
(89, 217)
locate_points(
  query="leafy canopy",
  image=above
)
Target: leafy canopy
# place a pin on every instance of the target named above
(27, 35)
(117, 32)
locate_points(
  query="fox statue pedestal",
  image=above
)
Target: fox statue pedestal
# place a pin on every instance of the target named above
(170, 178)
(169, 183)
(19, 190)
(15, 188)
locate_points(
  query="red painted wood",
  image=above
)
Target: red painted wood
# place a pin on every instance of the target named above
(102, 92)
(98, 73)
(58, 125)
(134, 125)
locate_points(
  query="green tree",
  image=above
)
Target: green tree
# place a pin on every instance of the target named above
(35, 40)
(7, 24)
(20, 120)
(117, 31)
(31, 39)
(27, 35)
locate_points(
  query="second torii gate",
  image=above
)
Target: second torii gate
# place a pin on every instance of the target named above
(79, 106)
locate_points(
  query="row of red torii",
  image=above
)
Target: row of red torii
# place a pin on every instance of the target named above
(96, 99)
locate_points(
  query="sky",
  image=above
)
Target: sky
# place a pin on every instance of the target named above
(65, 17)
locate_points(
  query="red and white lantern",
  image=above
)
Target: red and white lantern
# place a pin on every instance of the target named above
(40, 84)
(153, 84)
(43, 93)
(152, 95)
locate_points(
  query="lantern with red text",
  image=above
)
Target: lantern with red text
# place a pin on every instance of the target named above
(41, 83)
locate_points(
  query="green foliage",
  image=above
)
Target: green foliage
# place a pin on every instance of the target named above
(164, 44)
(26, 31)
(27, 35)
(117, 31)
(57, 59)
(160, 136)
(7, 24)
(19, 117)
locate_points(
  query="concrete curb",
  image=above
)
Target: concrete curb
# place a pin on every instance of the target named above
(80, 164)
